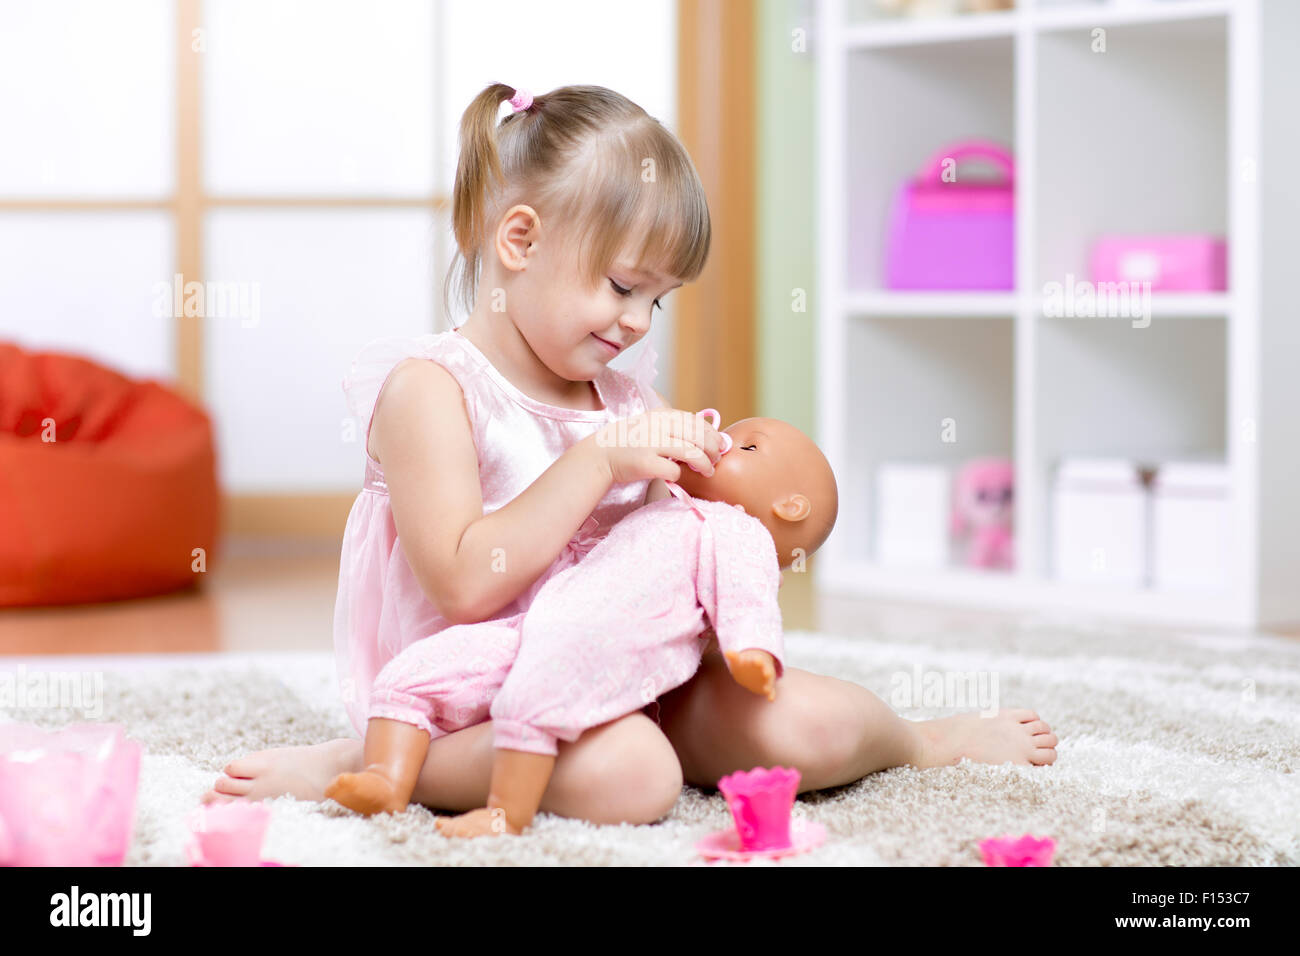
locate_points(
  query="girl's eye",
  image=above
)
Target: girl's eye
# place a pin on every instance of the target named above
(626, 292)
(748, 447)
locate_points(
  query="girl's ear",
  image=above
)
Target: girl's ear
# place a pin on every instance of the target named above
(520, 227)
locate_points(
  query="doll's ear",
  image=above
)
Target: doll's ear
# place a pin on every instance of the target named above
(792, 508)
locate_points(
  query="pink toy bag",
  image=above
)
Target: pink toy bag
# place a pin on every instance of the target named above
(958, 234)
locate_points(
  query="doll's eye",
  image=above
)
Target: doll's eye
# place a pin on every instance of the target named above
(748, 447)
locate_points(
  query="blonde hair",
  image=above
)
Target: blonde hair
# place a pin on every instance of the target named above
(589, 160)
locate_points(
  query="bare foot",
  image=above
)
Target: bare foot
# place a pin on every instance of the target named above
(1015, 736)
(366, 792)
(300, 772)
(485, 821)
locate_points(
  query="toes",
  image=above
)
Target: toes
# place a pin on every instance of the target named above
(1036, 726)
(1045, 740)
(236, 788)
(1023, 714)
(245, 767)
(1042, 755)
(213, 797)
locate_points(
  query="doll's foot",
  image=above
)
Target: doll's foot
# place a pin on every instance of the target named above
(1015, 736)
(299, 772)
(367, 792)
(486, 821)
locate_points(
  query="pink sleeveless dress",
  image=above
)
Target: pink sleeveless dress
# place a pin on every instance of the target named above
(380, 609)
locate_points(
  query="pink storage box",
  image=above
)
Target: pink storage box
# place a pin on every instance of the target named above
(1171, 263)
(954, 235)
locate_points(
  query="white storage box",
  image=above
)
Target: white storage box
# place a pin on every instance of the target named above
(1100, 517)
(913, 503)
(1190, 527)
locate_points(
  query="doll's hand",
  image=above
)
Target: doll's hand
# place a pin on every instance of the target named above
(753, 670)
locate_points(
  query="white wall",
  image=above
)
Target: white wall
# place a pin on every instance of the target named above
(300, 98)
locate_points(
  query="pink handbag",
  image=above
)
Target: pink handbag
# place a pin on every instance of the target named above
(954, 235)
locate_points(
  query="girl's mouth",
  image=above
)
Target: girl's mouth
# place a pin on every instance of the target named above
(614, 349)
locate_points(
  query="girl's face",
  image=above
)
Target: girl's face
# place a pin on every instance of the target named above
(577, 329)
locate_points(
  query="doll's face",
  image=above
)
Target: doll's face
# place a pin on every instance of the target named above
(778, 475)
(990, 504)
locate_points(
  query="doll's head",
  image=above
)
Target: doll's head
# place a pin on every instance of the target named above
(573, 217)
(780, 476)
(983, 495)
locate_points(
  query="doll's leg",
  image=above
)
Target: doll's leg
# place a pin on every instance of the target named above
(833, 731)
(624, 771)
(442, 683)
(519, 780)
(568, 677)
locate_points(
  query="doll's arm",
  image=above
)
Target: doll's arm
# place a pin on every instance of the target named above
(739, 578)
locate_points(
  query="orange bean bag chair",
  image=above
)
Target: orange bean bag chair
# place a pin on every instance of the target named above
(116, 504)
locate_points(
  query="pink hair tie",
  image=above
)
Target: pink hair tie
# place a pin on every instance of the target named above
(521, 100)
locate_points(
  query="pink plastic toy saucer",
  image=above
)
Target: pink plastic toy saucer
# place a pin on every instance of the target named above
(725, 844)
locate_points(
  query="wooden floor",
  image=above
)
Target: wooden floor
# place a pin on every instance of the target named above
(264, 595)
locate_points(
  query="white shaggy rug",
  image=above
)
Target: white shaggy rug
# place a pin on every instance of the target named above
(1175, 749)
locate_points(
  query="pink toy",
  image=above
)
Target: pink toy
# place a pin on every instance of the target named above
(955, 234)
(1188, 263)
(67, 797)
(717, 423)
(1007, 850)
(983, 507)
(229, 834)
(760, 801)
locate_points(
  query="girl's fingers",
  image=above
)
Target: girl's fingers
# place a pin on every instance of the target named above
(698, 430)
(690, 455)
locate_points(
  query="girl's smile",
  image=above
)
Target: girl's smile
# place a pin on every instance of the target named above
(613, 349)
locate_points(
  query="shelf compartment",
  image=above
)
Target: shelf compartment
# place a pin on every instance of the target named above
(933, 102)
(906, 379)
(1130, 140)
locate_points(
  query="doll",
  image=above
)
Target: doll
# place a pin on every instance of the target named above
(607, 636)
(983, 504)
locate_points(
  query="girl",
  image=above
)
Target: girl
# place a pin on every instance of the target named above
(573, 216)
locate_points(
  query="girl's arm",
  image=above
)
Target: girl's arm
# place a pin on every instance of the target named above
(471, 565)
(658, 488)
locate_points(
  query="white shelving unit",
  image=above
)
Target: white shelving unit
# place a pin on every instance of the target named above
(1185, 123)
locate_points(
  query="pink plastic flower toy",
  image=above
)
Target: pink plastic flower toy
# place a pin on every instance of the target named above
(229, 834)
(1017, 851)
(67, 797)
(760, 801)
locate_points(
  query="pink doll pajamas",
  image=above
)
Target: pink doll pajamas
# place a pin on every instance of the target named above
(606, 637)
(602, 638)
(448, 681)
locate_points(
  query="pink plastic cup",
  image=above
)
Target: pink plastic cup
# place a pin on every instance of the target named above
(760, 801)
(67, 797)
(228, 834)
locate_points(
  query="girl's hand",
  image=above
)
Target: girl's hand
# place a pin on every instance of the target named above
(651, 444)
